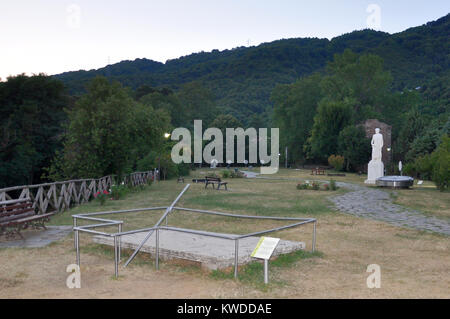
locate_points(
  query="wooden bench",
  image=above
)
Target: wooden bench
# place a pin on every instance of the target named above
(180, 179)
(318, 171)
(18, 214)
(213, 181)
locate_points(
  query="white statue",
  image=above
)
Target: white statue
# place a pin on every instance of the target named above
(377, 145)
(375, 168)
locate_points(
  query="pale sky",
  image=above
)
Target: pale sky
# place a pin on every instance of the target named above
(54, 36)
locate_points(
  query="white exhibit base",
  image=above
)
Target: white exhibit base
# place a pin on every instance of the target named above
(374, 171)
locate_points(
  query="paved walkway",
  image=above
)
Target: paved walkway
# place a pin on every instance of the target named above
(37, 238)
(376, 204)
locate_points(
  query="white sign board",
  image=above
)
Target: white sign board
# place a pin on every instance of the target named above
(419, 182)
(265, 247)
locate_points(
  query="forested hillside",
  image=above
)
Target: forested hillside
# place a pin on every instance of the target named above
(243, 78)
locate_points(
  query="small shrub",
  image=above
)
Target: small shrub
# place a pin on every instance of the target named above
(118, 191)
(237, 174)
(226, 173)
(315, 186)
(101, 196)
(326, 187)
(333, 185)
(302, 186)
(337, 162)
(424, 166)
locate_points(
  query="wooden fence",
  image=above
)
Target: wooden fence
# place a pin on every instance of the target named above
(59, 196)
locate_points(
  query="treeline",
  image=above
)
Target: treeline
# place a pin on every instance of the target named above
(32, 117)
(243, 78)
(47, 135)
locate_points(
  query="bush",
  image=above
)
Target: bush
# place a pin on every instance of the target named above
(302, 186)
(226, 173)
(424, 166)
(315, 186)
(410, 169)
(326, 187)
(333, 186)
(441, 164)
(237, 174)
(101, 196)
(434, 166)
(118, 191)
(337, 162)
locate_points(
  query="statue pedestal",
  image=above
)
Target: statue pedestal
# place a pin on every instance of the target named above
(374, 170)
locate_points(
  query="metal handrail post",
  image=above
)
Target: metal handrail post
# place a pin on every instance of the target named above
(77, 246)
(157, 249)
(120, 241)
(75, 225)
(116, 255)
(313, 248)
(236, 257)
(266, 271)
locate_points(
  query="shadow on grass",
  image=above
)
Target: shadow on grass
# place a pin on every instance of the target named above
(253, 273)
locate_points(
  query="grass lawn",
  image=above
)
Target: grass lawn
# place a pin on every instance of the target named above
(413, 263)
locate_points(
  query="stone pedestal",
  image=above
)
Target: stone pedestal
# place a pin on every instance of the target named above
(375, 169)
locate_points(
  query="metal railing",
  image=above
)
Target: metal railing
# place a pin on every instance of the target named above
(117, 236)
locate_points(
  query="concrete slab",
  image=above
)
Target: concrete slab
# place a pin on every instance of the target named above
(37, 238)
(210, 252)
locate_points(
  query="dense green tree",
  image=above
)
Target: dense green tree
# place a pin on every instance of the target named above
(199, 104)
(294, 111)
(31, 117)
(169, 102)
(331, 118)
(360, 77)
(412, 127)
(224, 121)
(354, 146)
(441, 164)
(108, 133)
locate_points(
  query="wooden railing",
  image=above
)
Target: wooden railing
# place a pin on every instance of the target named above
(59, 196)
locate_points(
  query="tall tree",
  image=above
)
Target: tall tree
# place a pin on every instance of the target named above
(354, 146)
(294, 111)
(331, 118)
(31, 114)
(199, 104)
(360, 77)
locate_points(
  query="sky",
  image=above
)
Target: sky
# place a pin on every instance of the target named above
(54, 36)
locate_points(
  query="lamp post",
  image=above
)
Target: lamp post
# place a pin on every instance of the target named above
(286, 159)
(166, 136)
(391, 153)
